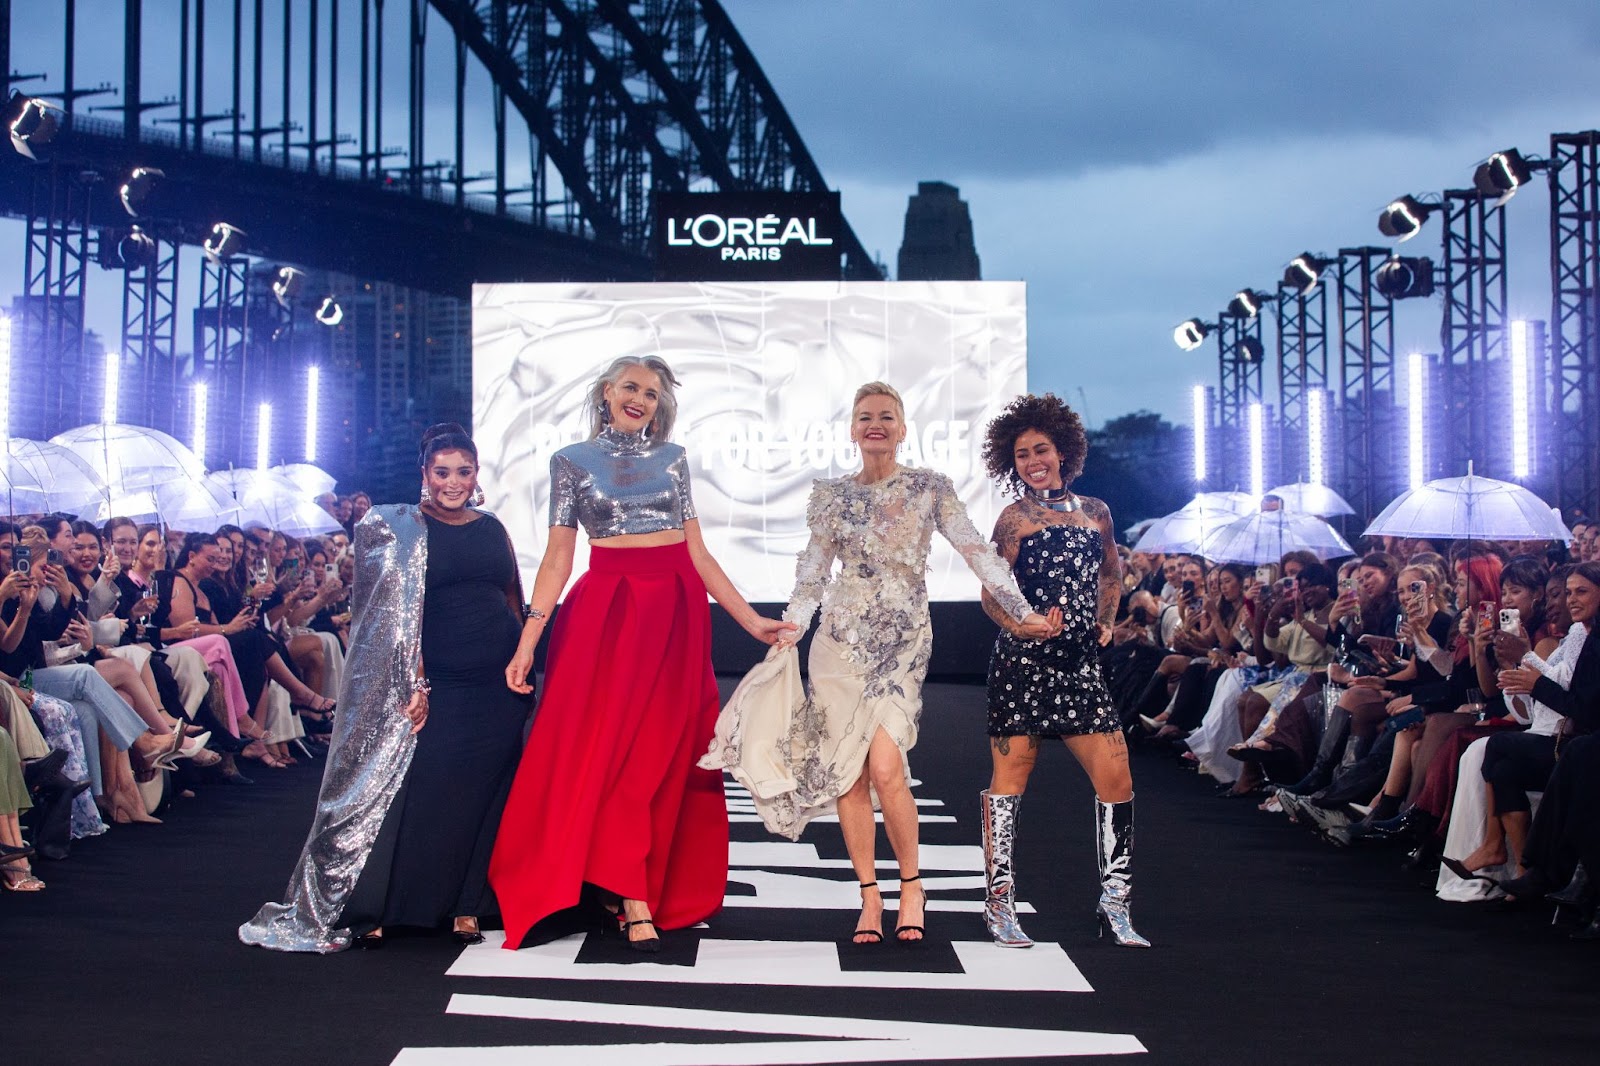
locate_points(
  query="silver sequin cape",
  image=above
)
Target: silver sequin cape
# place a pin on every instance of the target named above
(372, 741)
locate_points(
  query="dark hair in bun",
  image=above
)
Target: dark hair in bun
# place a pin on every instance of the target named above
(445, 437)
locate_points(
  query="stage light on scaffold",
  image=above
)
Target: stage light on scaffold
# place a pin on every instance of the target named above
(1403, 218)
(1247, 303)
(1304, 272)
(224, 242)
(1191, 334)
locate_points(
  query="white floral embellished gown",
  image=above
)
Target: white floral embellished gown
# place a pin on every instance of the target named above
(870, 654)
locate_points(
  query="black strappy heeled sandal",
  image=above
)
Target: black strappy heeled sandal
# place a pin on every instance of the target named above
(875, 934)
(922, 933)
(650, 945)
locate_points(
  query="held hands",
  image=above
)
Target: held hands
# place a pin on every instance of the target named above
(417, 710)
(773, 630)
(1042, 626)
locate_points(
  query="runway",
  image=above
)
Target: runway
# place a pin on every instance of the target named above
(1268, 945)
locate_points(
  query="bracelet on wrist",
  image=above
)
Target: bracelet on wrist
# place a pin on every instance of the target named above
(531, 613)
(421, 686)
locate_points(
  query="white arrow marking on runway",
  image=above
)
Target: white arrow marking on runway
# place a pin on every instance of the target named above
(853, 1039)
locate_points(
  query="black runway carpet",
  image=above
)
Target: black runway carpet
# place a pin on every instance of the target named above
(1270, 947)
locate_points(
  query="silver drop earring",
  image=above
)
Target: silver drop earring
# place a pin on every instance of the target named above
(477, 497)
(427, 497)
(604, 410)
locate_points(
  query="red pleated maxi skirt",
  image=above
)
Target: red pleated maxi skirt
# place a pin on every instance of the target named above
(608, 792)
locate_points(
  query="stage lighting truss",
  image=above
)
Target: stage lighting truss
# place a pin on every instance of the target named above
(1247, 303)
(136, 192)
(1191, 334)
(1405, 277)
(224, 242)
(1304, 272)
(131, 250)
(328, 312)
(1503, 173)
(1403, 218)
(287, 283)
(33, 125)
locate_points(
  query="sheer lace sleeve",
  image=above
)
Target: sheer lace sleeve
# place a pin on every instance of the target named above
(814, 565)
(955, 526)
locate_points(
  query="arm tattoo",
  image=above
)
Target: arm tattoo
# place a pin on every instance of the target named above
(992, 608)
(1008, 530)
(1110, 564)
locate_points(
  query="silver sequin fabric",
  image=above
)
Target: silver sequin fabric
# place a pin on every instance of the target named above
(620, 483)
(372, 741)
(1050, 688)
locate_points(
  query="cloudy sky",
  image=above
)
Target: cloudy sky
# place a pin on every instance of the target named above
(1136, 164)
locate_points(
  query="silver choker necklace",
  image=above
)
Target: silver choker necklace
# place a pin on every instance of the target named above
(1060, 499)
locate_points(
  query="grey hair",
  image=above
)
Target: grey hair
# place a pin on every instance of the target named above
(660, 428)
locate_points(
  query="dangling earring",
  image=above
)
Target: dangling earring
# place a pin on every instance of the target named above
(427, 497)
(477, 497)
(604, 410)
(644, 434)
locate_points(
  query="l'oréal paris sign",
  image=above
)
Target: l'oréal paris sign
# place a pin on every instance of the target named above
(747, 236)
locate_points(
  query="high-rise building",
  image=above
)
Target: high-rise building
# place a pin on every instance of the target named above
(938, 243)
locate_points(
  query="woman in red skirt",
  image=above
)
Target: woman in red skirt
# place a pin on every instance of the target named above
(608, 793)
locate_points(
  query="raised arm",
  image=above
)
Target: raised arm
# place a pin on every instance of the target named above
(950, 516)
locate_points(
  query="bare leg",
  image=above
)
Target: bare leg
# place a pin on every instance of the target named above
(120, 675)
(860, 833)
(886, 767)
(1104, 757)
(1515, 826)
(1492, 852)
(309, 657)
(1011, 761)
(279, 671)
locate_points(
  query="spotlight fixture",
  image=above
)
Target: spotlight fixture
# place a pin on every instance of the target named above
(1250, 350)
(1191, 334)
(329, 313)
(225, 241)
(35, 124)
(136, 249)
(1404, 277)
(137, 191)
(1247, 303)
(1304, 271)
(1503, 173)
(287, 283)
(1404, 217)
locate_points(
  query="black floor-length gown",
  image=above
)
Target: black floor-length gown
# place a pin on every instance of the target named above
(431, 859)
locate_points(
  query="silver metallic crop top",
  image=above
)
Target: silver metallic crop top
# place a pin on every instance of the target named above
(620, 483)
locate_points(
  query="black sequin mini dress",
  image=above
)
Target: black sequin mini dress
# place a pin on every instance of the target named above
(1053, 688)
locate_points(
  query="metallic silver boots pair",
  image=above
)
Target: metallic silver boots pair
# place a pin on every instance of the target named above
(1113, 849)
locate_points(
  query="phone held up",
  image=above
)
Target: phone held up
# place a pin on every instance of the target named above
(22, 558)
(1510, 620)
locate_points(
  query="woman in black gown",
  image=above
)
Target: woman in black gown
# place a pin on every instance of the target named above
(1063, 550)
(430, 860)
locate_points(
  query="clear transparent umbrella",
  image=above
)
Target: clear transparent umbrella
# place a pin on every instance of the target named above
(183, 505)
(1266, 536)
(312, 480)
(268, 498)
(1309, 498)
(39, 477)
(1182, 530)
(1460, 508)
(128, 458)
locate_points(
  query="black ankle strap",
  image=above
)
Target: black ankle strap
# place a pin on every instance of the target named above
(869, 884)
(908, 880)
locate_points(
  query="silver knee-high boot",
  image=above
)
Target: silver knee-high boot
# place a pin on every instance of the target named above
(1113, 827)
(999, 837)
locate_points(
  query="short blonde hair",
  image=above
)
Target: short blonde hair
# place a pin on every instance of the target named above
(879, 388)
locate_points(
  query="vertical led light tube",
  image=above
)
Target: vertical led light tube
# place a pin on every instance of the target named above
(1416, 419)
(313, 393)
(1316, 472)
(263, 435)
(1521, 423)
(1202, 414)
(5, 380)
(108, 402)
(1258, 447)
(197, 442)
